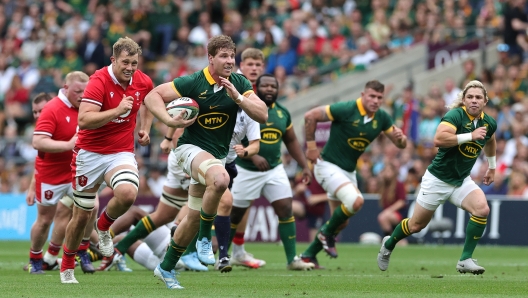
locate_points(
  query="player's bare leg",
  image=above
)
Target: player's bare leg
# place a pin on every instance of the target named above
(39, 235)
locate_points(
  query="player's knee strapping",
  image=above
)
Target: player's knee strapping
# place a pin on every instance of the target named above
(348, 195)
(67, 201)
(84, 200)
(125, 176)
(205, 166)
(195, 203)
(173, 200)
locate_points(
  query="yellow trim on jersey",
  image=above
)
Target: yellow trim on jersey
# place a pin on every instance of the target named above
(449, 124)
(208, 76)
(390, 129)
(329, 114)
(174, 88)
(471, 117)
(272, 106)
(360, 106)
(234, 226)
(291, 126)
(291, 219)
(247, 93)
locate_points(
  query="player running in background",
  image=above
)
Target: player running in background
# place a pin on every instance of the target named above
(461, 136)
(355, 124)
(252, 67)
(204, 145)
(104, 151)
(264, 174)
(54, 137)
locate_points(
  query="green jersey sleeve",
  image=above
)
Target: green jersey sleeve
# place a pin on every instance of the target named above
(184, 85)
(453, 118)
(242, 84)
(386, 121)
(339, 111)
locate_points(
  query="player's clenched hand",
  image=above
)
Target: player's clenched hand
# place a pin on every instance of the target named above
(230, 88)
(125, 105)
(240, 150)
(307, 176)
(397, 133)
(479, 133)
(312, 155)
(260, 162)
(144, 138)
(179, 121)
(166, 146)
(489, 177)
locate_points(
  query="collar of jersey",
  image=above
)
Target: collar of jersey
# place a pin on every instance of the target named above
(208, 76)
(64, 99)
(111, 73)
(361, 109)
(471, 117)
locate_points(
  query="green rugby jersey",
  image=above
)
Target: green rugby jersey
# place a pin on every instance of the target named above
(216, 120)
(271, 132)
(452, 165)
(351, 132)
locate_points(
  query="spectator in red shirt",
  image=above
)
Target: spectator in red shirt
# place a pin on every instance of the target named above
(392, 199)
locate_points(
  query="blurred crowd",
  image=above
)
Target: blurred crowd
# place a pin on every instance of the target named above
(305, 43)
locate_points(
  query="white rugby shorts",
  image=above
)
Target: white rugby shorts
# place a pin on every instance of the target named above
(49, 195)
(434, 192)
(185, 154)
(331, 177)
(249, 185)
(91, 167)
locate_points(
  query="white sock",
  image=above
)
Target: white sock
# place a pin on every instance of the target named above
(158, 241)
(145, 257)
(238, 249)
(49, 258)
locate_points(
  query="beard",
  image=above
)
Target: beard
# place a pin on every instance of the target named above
(268, 99)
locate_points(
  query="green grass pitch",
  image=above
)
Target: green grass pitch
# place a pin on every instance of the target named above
(415, 271)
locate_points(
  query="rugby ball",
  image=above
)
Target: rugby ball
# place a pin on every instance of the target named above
(369, 238)
(189, 105)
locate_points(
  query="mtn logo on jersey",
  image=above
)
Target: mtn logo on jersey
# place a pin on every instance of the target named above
(213, 120)
(359, 144)
(270, 135)
(470, 149)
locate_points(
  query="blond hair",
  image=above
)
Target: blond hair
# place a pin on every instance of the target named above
(125, 44)
(459, 101)
(76, 76)
(252, 53)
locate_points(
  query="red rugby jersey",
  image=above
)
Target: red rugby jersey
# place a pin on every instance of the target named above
(104, 90)
(58, 121)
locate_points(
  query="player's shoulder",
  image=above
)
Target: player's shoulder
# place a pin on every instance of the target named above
(488, 119)
(455, 113)
(237, 78)
(279, 106)
(141, 78)
(101, 74)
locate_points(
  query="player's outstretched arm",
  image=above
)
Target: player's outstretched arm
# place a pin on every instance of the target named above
(397, 137)
(490, 150)
(155, 102)
(249, 151)
(170, 140)
(294, 148)
(45, 143)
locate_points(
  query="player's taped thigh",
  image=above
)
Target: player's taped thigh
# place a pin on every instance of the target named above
(67, 201)
(172, 200)
(205, 166)
(84, 200)
(125, 176)
(348, 195)
(195, 203)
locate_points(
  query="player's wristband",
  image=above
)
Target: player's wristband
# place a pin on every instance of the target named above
(169, 139)
(245, 153)
(464, 138)
(311, 145)
(239, 99)
(492, 162)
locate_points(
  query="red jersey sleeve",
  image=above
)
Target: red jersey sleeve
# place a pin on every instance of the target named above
(94, 91)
